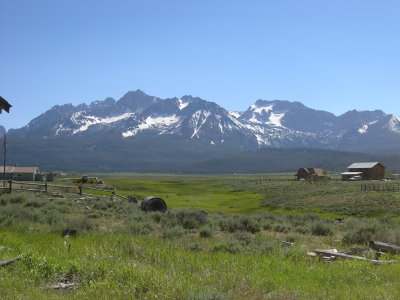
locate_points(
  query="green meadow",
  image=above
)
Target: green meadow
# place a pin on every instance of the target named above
(232, 252)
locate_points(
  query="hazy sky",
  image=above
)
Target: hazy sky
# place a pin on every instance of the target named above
(333, 55)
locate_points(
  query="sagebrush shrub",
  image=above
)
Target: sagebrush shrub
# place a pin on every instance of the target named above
(173, 232)
(244, 238)
(206, 232)
(360, 234)
(319, 228)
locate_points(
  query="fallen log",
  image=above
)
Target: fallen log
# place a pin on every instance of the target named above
(9, 261)
(384, 247)
(353, 251)
(343, 255)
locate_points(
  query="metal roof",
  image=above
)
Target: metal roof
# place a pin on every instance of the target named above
(14, 169)
(351, 173)
(363, 165)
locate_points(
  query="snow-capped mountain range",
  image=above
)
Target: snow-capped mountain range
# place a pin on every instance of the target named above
(265, 123)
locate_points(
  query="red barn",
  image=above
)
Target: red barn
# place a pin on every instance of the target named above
(367, 171)
(310, 173)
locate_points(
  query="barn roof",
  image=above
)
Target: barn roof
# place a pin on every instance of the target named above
(363, 165)
(25, 169)
(351, 173)
(13, 169)
(4, 105)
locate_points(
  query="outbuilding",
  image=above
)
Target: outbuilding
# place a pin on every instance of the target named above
(310, 174)
(367, 171)
(20, 173)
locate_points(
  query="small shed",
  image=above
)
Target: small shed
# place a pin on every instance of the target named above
(310, 173)
(4, 105)
(367, 170)
(50, 177)
(347, 175)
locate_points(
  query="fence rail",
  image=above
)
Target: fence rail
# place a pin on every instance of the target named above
(11, 185)
(380, 187)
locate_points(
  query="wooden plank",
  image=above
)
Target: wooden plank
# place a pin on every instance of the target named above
(123, 197)
(342, 255)
(384, 247)
(9, 261)
(63, 186)
(28, 183)
(29, 190)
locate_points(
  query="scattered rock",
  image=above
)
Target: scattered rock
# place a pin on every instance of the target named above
(287, 244)
(132, 199)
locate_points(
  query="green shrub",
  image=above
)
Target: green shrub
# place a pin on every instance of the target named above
(243, 237)
(319, 228)
(281, 228)
(139, 228)
(214, 295)
(35, 202)
(228, 245)
(18, 198)
(80, 223)
(360, 234)
(188, 218)
(156, 216)
(173, 232)
(250, 224)
(290, 238)
(191, 218)
(301, 229)
(267, 247)
(195, 247)
(206, 232)
(230, 224)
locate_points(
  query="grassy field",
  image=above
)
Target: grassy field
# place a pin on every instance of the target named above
(234, 252)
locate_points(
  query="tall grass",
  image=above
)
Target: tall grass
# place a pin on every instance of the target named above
(126, 266)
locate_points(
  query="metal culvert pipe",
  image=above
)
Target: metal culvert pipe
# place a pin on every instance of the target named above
(153, 204)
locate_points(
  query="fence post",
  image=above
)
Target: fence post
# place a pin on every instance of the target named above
(10, 188)
(45, 187)
(80, 190)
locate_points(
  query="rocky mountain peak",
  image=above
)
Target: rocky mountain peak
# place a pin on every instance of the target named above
(278, 123)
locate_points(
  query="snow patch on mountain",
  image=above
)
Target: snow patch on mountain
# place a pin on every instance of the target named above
(199, 118)
(364, 129)
(394, 124)
(182, 104)
(93, 120)
(60, 129)
(260, 110)
(275, 119)
(235, 114)
(159, 122)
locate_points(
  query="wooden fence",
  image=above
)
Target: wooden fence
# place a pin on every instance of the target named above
(380, 187)
(11, 185)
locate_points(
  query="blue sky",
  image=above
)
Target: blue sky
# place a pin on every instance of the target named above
(332, 55)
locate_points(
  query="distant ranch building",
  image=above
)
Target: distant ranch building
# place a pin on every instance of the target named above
(20, 173)
(310, 173)
(366, 170)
